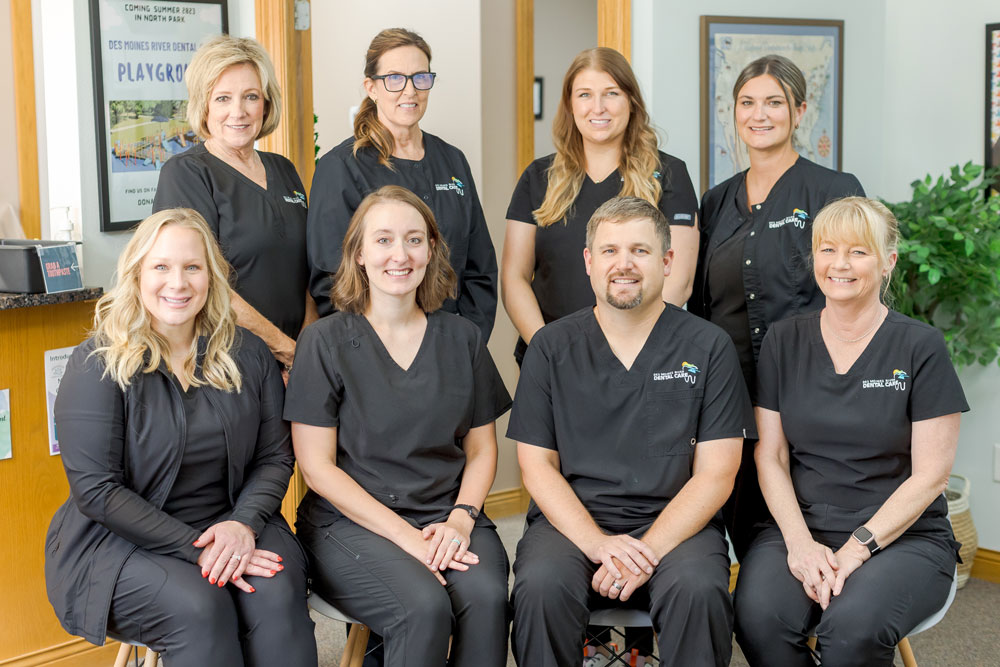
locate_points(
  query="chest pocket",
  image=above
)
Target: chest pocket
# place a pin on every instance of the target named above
(672, 421)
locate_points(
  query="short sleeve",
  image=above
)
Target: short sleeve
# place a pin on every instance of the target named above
(936, 389)
(532, 420)
(766, 395)
(679, 203)
(844, 185)
(491, 398)
(315, 389)
(522, 201)
(184, 183)
(725, 407)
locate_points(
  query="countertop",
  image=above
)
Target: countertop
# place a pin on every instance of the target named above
(10, 300)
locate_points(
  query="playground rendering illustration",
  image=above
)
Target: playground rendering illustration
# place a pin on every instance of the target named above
(146, 133)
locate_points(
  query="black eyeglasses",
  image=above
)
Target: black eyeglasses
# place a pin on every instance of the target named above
(396, 82)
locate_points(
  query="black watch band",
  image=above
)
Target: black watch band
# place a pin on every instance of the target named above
(473, 512)
(866, 539)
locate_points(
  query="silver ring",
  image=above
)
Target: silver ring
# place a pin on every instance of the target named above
(456, 540)
(235, 557)
(616, 586)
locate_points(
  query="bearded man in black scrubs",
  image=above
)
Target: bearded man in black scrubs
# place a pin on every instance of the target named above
(629, 419)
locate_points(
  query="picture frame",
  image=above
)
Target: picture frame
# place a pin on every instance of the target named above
(140, 52)
(730, 43)
(992, 97)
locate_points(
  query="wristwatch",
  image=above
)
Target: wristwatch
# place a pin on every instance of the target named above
(866, 539)
(473, 512)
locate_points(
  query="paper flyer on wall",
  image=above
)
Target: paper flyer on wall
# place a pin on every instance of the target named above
(5, 447)
(55, 366)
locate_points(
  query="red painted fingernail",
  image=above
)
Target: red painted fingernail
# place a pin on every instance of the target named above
(279, 559)
(253, 590)
(235, 577)
(204, 574)
(211, 580)
(273, 572)
(280, 568)
(221, 583)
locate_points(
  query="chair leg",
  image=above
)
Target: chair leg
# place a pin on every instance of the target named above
(124, 651)
(352, 639)
(360, 645)
(152, 658)
(906, 653)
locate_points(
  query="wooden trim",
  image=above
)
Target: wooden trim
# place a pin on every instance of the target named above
(524, 28)
(78, 649)
(291, 53)
(507, 503)
(986, 565)
(734, 572)
(614, 25)
(25, 124)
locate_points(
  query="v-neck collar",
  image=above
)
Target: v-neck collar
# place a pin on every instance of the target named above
(817, 336)
(384, 351)
(233, 170)
(641, 361)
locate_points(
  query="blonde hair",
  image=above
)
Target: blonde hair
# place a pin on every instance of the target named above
(209, 63)
(368, 129)
(123, 333)
(639, 159)
(351, 292)
(865, 221)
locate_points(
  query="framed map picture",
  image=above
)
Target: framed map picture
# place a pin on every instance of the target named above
(730, 43)
(993, 98)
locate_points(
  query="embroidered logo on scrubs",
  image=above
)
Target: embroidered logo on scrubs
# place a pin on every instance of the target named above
(682, 216)
(299, 198)
(897, 381)
(687, 373)
(797, 218)
(455, 184)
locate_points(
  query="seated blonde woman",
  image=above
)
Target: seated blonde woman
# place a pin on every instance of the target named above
(169, 420)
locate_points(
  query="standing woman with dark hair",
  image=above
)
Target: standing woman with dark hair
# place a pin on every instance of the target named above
(754, 264)
(605, 148)
(389, 148)
(393, 407)
(253, 201)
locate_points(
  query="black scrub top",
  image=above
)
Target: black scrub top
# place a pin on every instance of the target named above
(200, 494)
(560, 280)
(626, 438)
(444, 181)
(771, 277)
(849, 435)
(262, 233)
(399, 433)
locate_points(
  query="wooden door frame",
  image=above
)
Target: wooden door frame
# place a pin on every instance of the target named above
(25, 124)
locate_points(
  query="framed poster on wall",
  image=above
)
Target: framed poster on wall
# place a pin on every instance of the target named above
(730, 43)
(141, 50)
(993, 98)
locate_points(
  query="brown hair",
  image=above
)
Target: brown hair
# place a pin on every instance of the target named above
(368, 129)
(627, 209)
(789, 78)
(639, 159)
(208, 64)
(351, 292)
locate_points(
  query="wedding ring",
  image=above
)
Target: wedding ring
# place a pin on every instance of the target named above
(235, 557)
(616, 586)
(456, 540)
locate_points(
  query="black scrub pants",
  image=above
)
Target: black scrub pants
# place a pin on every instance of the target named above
(371, 579)
(881, 602)
(164, 603)
(745, 512)
(687, 597)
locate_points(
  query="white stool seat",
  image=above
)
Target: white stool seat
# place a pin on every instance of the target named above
(323, 607)
(357, 638)
(621, 617)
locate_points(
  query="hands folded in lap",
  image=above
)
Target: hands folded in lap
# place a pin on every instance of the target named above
(222, 543)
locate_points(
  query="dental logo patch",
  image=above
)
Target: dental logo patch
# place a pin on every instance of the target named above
(688, 373)
(455, 184)
(897, 381)
(682, 216)
(798, 219)
(299, 198)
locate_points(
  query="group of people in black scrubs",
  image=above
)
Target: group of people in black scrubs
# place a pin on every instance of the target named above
(635, 420)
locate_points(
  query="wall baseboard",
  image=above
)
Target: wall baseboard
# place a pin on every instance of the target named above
(506, 503)
(986, 565)
(76, 652)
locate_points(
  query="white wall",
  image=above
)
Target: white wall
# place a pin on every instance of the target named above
(913, 104)
(9, 188)
(563, 28)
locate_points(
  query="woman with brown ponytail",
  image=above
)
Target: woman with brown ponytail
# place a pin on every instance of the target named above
(389, 148)
(605, 148)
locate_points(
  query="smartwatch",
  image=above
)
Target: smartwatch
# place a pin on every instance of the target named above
(866, 539)
(473, 512)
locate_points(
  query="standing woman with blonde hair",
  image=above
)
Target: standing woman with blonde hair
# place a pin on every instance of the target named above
(169, 420)
(389, 148)
(253, 201)
(754, 262)
(605, 148)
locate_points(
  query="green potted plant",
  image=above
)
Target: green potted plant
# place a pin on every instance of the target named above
(948, 272)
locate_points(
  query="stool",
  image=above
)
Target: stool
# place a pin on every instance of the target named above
(613, 618)
(151, 659)
(357, 638)
(905, 651)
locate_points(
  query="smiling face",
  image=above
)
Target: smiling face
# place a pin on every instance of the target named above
(849, 271)
(764, 118)
(395, 249)
(236, 107)
(600, 108)
(174, 280)
(626, 263)
(401, 110)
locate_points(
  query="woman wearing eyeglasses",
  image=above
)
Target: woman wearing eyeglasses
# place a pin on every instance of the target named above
(389, 148)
